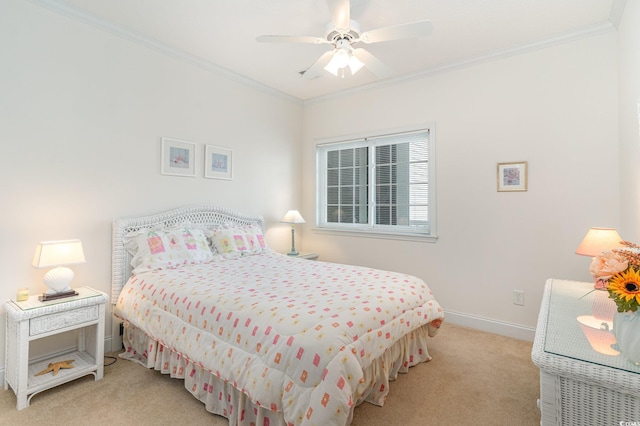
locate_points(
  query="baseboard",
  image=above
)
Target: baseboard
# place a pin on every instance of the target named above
(490, 325)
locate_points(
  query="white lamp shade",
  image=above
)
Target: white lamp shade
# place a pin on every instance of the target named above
(339, 60)
(332, 68)
(293, 216)
(342, 58)
(58, 253)
(355, 64)
(599, 240)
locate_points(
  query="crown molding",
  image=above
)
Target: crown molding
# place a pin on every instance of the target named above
(617, 10)
(80, 15)
(590, 31)
(124, 33)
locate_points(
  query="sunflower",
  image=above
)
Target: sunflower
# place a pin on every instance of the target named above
(624, 289)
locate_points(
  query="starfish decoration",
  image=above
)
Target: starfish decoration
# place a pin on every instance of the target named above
(56, 366)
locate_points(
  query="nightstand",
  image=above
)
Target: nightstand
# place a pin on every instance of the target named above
(308, 256)
(32, 319)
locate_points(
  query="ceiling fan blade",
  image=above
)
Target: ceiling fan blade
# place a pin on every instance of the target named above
(398, 32)
(290, 39)
(316, 68)
(340, 11)
(372, 63)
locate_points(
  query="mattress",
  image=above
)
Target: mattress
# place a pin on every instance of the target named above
(295, 337)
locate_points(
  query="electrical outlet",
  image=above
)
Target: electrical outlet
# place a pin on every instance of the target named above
(518, 297)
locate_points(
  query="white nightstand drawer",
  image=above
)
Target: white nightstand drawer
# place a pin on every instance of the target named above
(60, 320)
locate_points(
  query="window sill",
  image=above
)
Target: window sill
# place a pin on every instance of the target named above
(377, 234)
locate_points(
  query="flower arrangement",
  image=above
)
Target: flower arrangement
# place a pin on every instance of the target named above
(618, 271)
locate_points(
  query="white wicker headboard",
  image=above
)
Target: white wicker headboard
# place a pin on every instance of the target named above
(197, 215)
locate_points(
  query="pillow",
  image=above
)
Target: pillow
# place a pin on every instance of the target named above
(162, 248)
(238, 240)
(254, 238)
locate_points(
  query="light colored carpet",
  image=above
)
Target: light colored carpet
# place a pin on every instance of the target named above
(475, 378)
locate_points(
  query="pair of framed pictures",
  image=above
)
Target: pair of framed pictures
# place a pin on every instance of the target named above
(179, 159)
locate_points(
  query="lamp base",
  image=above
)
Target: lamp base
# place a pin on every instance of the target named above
(54, 296)
(58, 279)
(293, 251)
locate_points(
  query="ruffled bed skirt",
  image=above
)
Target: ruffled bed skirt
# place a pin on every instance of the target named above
(222, 398)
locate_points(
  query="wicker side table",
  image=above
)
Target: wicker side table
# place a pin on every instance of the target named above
(32, 319)
(578, 385)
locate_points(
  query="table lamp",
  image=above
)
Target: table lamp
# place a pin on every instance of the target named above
(293, 217)
(597, 326)
(59, 255)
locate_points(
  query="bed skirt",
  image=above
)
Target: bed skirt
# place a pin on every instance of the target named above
(221, 397)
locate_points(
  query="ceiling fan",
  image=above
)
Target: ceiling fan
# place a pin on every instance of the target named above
(343, 33)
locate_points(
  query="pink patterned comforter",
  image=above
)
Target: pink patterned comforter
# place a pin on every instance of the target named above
(293, 335)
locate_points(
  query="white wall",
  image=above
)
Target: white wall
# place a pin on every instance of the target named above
(629, 106)
(555, 108)
(81, 116)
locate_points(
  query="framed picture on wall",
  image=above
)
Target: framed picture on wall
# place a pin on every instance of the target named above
(512, 176)
(218, 162)
(178, 158)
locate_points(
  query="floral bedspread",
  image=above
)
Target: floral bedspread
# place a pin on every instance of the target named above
(293, 335)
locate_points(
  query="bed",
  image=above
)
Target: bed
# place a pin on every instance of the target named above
(259, 337)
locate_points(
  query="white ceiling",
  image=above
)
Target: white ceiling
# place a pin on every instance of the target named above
(221, 33)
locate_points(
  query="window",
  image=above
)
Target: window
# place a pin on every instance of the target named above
(379, 184)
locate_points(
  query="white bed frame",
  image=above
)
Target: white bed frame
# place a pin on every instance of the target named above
(205, 216)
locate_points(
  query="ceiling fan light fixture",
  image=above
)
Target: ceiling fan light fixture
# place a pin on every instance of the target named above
(341, 59)
(332, 68)
(355, 64)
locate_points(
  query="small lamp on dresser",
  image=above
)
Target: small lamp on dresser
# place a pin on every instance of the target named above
(59, 255)
(597, 326)
(293, 217)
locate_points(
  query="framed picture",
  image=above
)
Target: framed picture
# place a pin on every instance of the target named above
(178, 158)
(218, 162)
(512, 176)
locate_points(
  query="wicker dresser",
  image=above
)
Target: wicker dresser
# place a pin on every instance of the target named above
(32, 319)
(583, 379)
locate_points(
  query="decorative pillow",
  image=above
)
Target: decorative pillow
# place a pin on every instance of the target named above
(162, 248)
(238, 240)
(254, 237)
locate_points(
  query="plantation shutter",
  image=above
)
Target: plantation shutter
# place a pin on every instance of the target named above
(348, 184)
(401, 169)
